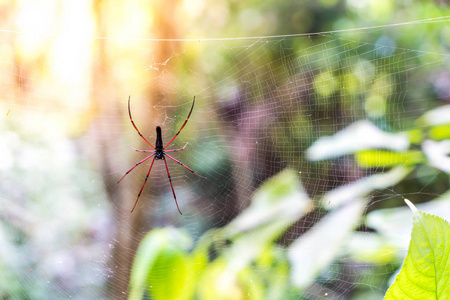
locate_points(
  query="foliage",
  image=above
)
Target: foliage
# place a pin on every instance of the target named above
(425, 272)
(164, 262)
(243, 259)
(160, 266)
(56, 218)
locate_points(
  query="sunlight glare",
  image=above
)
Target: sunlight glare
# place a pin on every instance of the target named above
(35, 25)
(71, 54)
(194, 8)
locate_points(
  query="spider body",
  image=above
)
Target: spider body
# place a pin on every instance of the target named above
(159, 153)
(159, 149)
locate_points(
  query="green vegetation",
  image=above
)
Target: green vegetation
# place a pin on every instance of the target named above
(311, 133)
(245, 259)
(425, 272)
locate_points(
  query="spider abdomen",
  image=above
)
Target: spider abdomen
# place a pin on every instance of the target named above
(159, 144)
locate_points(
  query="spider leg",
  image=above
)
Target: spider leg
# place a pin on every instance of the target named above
(179, 162)
(145, 181)
(170, 180)
(144, 151)
(135, 167)
(132, 122)
(192, 107)
(176, 149)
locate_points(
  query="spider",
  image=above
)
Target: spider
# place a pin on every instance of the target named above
(158, 152)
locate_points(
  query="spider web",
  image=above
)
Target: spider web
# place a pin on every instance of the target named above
(260, 104)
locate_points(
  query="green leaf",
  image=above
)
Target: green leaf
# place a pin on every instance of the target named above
(361, 135)
(440, 132)
(425, 273)
(384, 158)
(316, 249)
(438, 154)
(358, 189)
(363, 245)
(437, 116)
(280, 200)
(220, 281)
(277, 204)
(394, 225)
(161, 266)
(415, 136)
(168, 274)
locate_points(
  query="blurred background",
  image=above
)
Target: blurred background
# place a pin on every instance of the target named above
(349, 70)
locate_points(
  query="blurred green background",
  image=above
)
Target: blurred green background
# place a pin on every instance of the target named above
(309, 139)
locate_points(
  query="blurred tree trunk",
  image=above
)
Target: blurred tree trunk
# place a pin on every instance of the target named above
(108, 163)
(251, 165)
